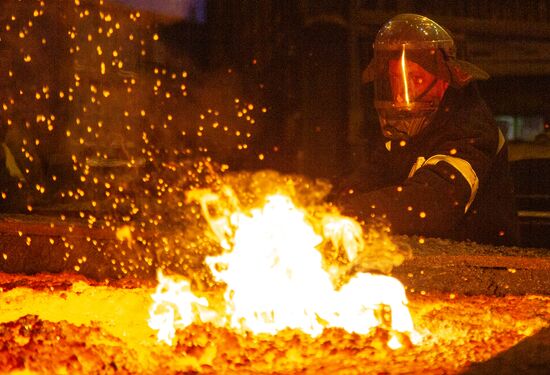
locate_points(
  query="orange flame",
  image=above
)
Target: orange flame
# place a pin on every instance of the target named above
(174, 307)
(276, 278)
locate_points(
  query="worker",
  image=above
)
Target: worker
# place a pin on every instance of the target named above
(441, 167)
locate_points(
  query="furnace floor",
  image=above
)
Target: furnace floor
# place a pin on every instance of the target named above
(65, 323)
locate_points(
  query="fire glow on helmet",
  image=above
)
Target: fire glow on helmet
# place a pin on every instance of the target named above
(276, 278)
(404, 71)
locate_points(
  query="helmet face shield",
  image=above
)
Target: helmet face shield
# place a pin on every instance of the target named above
(406, 94)
(402, 82)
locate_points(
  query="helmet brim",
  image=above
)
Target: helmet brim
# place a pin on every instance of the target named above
(463, 72)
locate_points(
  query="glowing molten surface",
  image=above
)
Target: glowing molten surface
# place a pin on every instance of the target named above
(276, 277)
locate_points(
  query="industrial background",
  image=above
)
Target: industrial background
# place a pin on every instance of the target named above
(299, 61)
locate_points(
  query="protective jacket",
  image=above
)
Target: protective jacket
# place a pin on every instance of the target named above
(452, 180)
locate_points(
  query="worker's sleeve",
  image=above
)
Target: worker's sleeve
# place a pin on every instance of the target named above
(439, 190)
(369, 175)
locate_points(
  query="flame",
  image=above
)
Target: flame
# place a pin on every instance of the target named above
(404, 71)
(344, 233)
(174, 307)
(277, 278)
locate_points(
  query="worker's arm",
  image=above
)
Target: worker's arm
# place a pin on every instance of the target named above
(437, 193)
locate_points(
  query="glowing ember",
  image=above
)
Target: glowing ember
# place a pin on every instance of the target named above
(276, 276)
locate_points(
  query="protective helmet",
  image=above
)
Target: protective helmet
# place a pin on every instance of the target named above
(414, 63)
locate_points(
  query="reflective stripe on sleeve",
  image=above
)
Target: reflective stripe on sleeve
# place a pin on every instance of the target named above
(459, 164)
